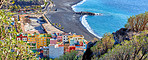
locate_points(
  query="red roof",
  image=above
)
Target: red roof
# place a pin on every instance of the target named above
(61, 45)
(71, 48)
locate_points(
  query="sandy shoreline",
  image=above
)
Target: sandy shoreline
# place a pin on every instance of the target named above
(66, 17)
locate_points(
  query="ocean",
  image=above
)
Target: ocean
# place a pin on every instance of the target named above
(115, 14)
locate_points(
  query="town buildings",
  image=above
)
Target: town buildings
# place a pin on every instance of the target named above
(55, 44)
(22, 37)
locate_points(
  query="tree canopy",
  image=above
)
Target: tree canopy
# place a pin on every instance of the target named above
(68, 56)
(102, 46)
(135, 49)
(138, 22)
(10, 48)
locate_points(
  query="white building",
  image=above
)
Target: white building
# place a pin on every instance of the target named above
(55, 51)
(65, 38)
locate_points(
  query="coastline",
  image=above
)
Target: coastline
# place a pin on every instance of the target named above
(70, 21)
(79, 3)
(86, 25)
(83, 19)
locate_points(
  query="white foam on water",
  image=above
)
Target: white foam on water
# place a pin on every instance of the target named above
(86, 25)
(78, 4)
(84, 21)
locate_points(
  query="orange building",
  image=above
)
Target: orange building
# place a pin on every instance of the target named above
(40, 39)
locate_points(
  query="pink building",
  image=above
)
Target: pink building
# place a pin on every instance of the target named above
(59, 38)
(53, 41)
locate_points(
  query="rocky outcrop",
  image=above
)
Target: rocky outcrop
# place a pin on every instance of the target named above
(122, 34)
(88, 53)
(85, 13)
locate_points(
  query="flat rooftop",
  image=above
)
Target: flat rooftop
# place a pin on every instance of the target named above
(50, 29)
(32, 24)
(39, 25)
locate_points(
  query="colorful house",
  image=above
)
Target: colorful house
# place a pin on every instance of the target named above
(72, 42)
(70, 48)
(75, 37)
(53, 41)
(31, 41)
(59, 38)
(22, 37)
(40, 39)
(65, 39)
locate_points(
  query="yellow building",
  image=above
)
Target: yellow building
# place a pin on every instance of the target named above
(75, 37)
(39, 39)
(31, 41)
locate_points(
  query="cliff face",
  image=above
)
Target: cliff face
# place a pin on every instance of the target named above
(122, 34)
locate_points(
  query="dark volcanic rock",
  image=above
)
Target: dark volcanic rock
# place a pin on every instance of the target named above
(88, 53)
(85, 13)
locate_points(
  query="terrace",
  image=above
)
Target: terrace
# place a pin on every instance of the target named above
(32, 24)
(50, 29)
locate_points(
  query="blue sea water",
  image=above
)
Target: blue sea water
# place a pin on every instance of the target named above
(115, 14)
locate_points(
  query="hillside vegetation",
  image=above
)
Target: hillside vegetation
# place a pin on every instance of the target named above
(10, 48)
(129, 43)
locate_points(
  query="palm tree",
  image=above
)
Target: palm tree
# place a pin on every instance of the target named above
(53, 23)
(56, 23)
(62, 27)
(59, 25)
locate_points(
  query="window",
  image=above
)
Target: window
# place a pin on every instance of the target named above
(41, 38)
(28, 39)
(32, 39)
(44, 41)
(18, 38)
(44, 38)
(38, 42)
(24, 39)
(41, 41)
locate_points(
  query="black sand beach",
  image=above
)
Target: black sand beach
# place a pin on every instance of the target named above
(66, 17)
